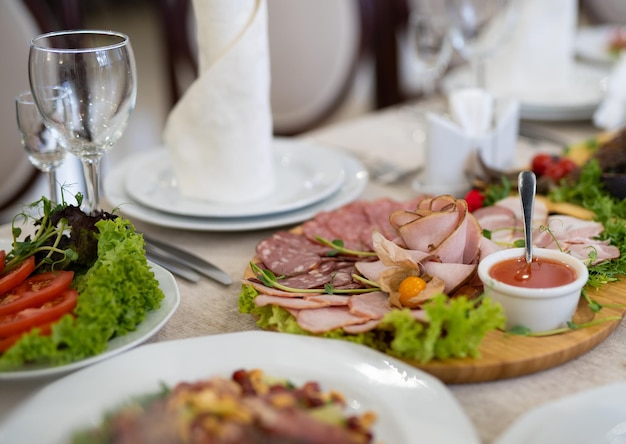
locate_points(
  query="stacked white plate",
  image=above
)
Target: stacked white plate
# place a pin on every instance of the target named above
(577, 101)
(310, 178)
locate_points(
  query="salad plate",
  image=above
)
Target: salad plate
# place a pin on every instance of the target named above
(577, 101)
(356, 178)
(410, 405)
(300, 181)
(592, 416)
(146, 329)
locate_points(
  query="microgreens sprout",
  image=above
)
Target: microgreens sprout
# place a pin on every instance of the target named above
(524, 331)
(269, 279)
(338, 247)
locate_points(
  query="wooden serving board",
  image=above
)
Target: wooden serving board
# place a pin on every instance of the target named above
(506, 356)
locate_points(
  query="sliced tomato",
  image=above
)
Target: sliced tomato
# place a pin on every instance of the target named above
(32, 317)
(7, 343)
(3, 257)
(13, 278)
(35, 291)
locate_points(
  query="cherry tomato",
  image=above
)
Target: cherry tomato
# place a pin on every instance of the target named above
(13, 278)
(7, 343)
(541, 162)
(35, 290)
(568, 164)
(28, 318)
(3, 257)
(556, 171)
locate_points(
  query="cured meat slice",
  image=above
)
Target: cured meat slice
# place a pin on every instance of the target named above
(288, 254)
(330, 299)
(263, 289)
(453, 275)
(372, 305)
(361, 328)
(320, 320)
(371, 270)
(294, 303)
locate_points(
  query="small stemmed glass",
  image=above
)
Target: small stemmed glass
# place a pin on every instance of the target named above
(97, 69)
(478, 28)
(40, 142)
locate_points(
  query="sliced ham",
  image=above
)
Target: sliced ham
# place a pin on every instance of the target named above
(320, 320)
(293, 303)
(329, 299)
(453, 275)
(372, 305)
(361, 328)
(263, 289)
(370, 270)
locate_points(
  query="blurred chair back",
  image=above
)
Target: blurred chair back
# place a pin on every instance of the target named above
(319, 52)
(17, 27)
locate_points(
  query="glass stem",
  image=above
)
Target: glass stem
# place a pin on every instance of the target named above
(52, 185)
(480, 72)
(91, 169)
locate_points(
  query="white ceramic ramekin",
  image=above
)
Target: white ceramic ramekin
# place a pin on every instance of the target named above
(538, 309)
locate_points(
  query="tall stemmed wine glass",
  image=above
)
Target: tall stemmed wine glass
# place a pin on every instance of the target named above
(40, 142)
(97, 69)
(478, 28)
(430, 46)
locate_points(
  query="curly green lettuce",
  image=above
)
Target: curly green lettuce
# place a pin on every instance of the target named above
(115, 295)
(455, 329)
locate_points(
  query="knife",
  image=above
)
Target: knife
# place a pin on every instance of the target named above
(176, 268)
(188, 259)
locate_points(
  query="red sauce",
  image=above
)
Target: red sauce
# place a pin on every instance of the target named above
(540, 273)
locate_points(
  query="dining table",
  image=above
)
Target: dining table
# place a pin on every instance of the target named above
(210, 308)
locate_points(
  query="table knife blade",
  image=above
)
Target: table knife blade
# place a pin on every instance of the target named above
(175, 268)
(194, 262)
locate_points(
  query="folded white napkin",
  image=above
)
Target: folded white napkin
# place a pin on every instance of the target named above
(538, 56)
(220, 132)
(478, 126)
(611, 113)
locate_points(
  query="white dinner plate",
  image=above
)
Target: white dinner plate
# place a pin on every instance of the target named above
(577, 101)
(593, 416)
(301, 179)
(151, 324)
(356, 178)
(592, 43)
(411, 405)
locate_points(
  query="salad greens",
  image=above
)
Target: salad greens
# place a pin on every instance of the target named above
(455, 329)
(589, 192)
(115, 284)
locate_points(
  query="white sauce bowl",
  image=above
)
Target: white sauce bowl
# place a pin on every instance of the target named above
(538, 309)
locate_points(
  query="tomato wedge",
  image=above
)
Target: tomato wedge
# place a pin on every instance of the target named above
(3, 257)
(35, 291)
(28, 318)
(44, 330)
(11, 279)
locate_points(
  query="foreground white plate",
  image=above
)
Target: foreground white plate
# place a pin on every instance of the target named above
(595, 416)
(152, 324)
(356, 178)
(577, 101)
(411, 405)
(306, 172)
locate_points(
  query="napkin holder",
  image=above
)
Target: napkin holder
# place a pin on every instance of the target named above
(451, 162)
(611, 113)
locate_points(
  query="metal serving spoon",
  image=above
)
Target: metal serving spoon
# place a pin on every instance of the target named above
(527, 186)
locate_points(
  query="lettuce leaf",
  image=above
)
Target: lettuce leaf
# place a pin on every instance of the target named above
(455, 329)
(115, 294)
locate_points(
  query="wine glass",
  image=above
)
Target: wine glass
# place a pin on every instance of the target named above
(97, 69)
(478, 28)
(430, 46)
(40, 142)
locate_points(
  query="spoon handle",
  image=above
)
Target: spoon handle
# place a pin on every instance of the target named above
(527, 186)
